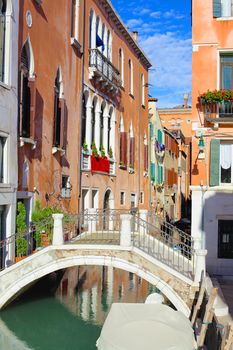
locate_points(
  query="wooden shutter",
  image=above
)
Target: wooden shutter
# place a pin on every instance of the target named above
(32, 88)
(151, 131)
(123, 148)
(145, 157)
(152, 171)
(216, 8)
(132, 151)
(214, 162)
(160, 136)
(62, 123)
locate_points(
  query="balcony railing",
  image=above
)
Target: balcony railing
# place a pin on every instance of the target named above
(219, 112)
(103, 69)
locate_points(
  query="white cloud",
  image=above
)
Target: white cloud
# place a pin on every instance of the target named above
(173, 14)
(170, 56)
(156, 14)
(132, 23)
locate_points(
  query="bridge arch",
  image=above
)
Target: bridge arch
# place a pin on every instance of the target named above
(52, 259)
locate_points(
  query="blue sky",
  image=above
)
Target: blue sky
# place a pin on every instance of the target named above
(165, 35)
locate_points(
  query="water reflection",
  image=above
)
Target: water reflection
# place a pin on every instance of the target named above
(71, 318)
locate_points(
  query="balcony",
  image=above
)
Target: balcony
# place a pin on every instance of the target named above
(219, 112)
(103, 72)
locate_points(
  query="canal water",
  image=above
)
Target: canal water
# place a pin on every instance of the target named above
(65, 311)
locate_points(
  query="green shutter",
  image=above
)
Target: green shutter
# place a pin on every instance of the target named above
(161, 171)
(151, 130)
(216, 8)
(152, 171)
(214, 162)
(159, 174)
(160, 136)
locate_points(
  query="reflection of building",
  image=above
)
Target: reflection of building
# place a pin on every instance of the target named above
(89, 291)
(212, 176)
(9, 11)
(115, 113)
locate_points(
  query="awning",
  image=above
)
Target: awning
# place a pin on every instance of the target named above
(147, 327)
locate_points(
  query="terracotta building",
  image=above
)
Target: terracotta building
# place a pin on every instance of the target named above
(115, 113)
(212, 141)
(50, 84)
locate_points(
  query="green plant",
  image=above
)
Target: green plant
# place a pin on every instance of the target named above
(84, 146)
(102, 151)
(216, 96)
(110, 152)
(21, 228)
(43, 221)
(94, 150)
(122, 163)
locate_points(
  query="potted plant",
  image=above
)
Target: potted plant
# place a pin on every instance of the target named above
(85, 149)
(94, 150)
(102, 151)
(110, 152)
(21, 242)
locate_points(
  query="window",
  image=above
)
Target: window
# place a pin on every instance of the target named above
(225, 239)
(222, 8)
(131, 147)
(66, 187)
(226, 153)
(130, 69)
(145, 154)
(226, 61)
(93, 122)
(2, 156)
(94, 199)
(121, 65)
(74, 19)
(2, 38)
(141, 197)
(133, 200)
(59, 113)
(122, 198)
(27, 94)
(143, 89)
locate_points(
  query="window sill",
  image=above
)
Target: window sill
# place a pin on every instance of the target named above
(224, 18)
(58, 149)
(27, 140)
(4, 185)
(5, 86)
(74, 42)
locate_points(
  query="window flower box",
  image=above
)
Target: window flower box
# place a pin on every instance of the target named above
(100, 165)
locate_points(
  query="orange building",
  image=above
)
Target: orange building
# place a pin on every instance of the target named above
(83, 110)
(212, 141)
(49, 103)
(115, 113)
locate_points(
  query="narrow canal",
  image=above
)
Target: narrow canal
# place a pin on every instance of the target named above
(66, 311)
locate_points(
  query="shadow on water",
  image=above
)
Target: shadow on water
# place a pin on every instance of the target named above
(66, 310)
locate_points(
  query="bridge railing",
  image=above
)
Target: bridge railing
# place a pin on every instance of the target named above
(161, 241)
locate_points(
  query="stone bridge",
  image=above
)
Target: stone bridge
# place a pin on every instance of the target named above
(164, 266)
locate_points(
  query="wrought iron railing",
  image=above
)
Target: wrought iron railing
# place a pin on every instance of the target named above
(156, 237)
(223, 111)
(104, 66)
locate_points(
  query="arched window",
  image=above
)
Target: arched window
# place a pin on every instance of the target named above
(121, 65)
(102, 125)
(143, 89)
(109, 128)
(130, 68)
(108, 45)
(91, 17)
(145, 154)
(93, 121)
(84, 112)
(27, 94)
(123, 145)
(2, 38)
(75, 19)
(59, 112)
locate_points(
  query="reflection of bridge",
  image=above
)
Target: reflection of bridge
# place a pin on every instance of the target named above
(156, 251)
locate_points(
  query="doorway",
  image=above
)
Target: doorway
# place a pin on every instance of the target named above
(108, 204)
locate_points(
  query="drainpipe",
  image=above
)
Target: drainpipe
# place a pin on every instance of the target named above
(81, 103)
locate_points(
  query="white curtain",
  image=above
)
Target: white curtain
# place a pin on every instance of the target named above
(226, 8)
(225, 156)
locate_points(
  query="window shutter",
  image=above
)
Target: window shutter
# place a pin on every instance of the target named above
(160, 136)
(32, 87)
(152, 171)
(214, 162)
(145, 157)
(62, 125)
(158, 174)
(216, 8)
(123, 148)
(132, 151)
(161, 174)
(151, 131)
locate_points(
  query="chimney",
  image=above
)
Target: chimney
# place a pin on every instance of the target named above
(135, 35)
(186, 99)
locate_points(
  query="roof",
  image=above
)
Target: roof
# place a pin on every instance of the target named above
(123, 29)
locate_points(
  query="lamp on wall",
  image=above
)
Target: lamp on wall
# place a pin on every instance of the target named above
(201, 148)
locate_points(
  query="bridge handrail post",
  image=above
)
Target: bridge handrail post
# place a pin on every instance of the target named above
(92, 220)
(58, 237)
(200, 264)
(143, 215)
(125, 231)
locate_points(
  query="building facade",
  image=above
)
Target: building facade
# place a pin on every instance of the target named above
(9, 10)
(115, 113)
(212, 208)
(50, 103)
